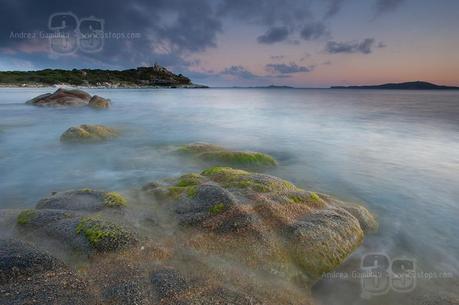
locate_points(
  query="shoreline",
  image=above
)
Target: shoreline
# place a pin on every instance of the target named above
(27, 86)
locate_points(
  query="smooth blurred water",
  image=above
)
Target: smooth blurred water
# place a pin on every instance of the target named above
(395, 151)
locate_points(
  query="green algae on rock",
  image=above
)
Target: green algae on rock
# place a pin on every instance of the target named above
(88, 134)
(219, 155)
(114, 199)
(103, 235)
(276, 222)
(26, 216)
(39, 217)
(82, 200)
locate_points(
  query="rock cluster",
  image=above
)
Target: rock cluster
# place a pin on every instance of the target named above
(278, 224)
(221, 236)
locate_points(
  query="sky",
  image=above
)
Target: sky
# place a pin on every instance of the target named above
(301, 43)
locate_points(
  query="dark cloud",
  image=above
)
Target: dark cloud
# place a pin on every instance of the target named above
(384, 6)
(279, 18)
(239, 72)
(364, 47)
(275, 34)
(334, 7)
(169, 30)
(288, 68)
(314, 30)
(267, 12)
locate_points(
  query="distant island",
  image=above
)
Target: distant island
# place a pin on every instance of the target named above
(264, 87)
(151, 77)
(418, 85)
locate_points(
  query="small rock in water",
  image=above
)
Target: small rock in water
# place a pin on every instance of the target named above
(99, 102)
(88, 134)
(218, 155)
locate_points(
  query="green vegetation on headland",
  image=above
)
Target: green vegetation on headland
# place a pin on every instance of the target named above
(156, 76)
(402, 86)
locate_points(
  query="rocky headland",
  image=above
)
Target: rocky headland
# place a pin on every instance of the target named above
(155, 76)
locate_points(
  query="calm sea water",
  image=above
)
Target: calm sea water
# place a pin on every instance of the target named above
(395, 151)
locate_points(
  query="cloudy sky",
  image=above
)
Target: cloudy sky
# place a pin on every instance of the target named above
(307, 43)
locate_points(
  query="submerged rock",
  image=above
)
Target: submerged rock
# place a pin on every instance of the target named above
(69, 98)
(277, 223)
(221, 156)
(88, 134)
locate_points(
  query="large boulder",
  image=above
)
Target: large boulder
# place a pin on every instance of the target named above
(88, 134)
(218, 155)
(69, 98)
(279, 226)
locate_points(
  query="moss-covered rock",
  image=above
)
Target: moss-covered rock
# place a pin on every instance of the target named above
(276, 222)
(103, 235)
(82, 200)
(26, 216)
(324, 238)
(219, 155)
(114, 200)
(88, 134)
(39, 218)
(239, 179)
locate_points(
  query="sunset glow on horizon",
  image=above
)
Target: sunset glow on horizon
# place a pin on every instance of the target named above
(302, 43)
